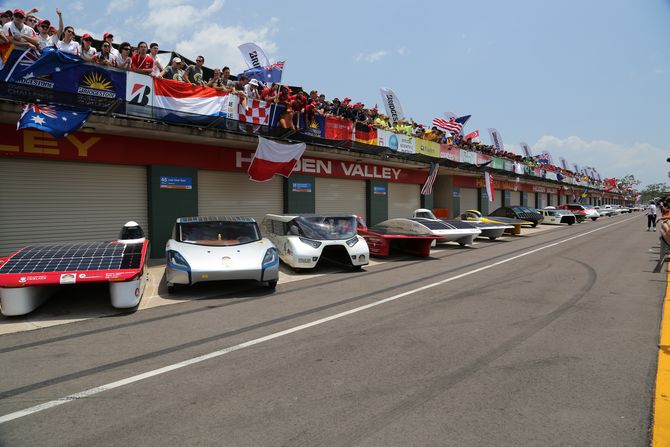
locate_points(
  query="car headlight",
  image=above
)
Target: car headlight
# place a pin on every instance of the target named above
(351, 242)
(174, 257)
(313, 244)
(271, 257)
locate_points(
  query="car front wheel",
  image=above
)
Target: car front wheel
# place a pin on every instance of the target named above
(272, 284)
(594, 219)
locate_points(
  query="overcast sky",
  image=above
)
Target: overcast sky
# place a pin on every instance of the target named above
(585, 80)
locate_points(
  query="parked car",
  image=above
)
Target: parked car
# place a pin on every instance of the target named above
(553, 216)
(603, 212)
(582, 212)
(612, 210)
(489, 230)
(519, 212)
(219, 248)
(302, 240)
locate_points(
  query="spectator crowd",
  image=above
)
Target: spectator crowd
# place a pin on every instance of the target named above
(24, 30)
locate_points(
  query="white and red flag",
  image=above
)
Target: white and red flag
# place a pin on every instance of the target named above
(258, 112)
(187, 98)
(472, 135)
(274, 158)
(490, 192)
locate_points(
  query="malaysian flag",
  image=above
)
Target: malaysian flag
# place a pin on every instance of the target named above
(257, 112)
(432, 175)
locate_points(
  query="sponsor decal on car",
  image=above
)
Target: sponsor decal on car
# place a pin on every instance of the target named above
(68, 278)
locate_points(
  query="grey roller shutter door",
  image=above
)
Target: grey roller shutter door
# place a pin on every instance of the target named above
(403, 199)
(223, 193)
(57, 201)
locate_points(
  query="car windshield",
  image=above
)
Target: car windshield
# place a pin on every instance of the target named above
(425, 215)
(519, 209)
(218, 232)
(325, 227)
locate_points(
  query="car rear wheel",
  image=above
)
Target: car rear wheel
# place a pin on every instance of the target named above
(272, 284)
(594, 219)
(491, 238)
(534, 224)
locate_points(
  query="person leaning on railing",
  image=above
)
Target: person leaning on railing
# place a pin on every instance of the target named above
(105, 56)
(68, 44)
(20, 34)
(86, 51)
(124, 60)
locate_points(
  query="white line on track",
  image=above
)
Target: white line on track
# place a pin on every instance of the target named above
(127, 381)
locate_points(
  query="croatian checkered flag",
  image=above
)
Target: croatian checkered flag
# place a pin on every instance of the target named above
(258, 112)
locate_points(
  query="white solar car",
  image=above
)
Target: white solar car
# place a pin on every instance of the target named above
(219, 248)
(302, 240)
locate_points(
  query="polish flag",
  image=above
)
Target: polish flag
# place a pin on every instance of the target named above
(274, 158)
(489, 186)
(184, 97)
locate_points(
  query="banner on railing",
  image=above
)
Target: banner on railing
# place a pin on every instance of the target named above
(338, 128)
(450, 153)
(468, 157)
(428, 148)
(365, 134)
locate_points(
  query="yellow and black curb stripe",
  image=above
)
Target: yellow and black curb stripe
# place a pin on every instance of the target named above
(661, 422)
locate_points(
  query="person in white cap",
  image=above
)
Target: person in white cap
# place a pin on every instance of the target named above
(174, 71)
(251, 90)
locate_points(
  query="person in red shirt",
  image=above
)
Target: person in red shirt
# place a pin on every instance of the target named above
(141, 62)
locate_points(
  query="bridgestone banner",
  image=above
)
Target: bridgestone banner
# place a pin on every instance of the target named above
(392, 105)
(496, 139)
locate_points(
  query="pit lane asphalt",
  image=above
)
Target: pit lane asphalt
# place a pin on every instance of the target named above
(556, 348)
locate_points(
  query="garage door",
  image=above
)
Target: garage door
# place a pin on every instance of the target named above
(334, 195)
(531, 200)
(468, 199)
(403, 199)
(515, 198)
(52, 201)
(233, 194)
(497, 200)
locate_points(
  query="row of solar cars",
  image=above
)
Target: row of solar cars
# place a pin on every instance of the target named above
(223, 248)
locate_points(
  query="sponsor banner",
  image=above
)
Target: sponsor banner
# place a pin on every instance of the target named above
(497, 163)
(230, 108)
(139, 94)
(538, 172)
(388, 139)
(496, 139)
(550, 175)
(519, 168)
(253, 55)
(315, 127)
(429, 148)
(406, 144)
(392, 105)
(509, 165)
(526, 150)
(118, 149)
(482, 158)
(338, 128)
(450, 152)
(468, 157)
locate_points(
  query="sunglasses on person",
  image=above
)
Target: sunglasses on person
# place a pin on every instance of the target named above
(44, 26)
(32, 20)
(106, 45)
(200, 60)
(125, 49)
(69, 31)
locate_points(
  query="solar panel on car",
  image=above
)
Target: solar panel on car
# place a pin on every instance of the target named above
(65, 257)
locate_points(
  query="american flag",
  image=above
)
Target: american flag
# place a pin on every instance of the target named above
(432, 175)
(451, 125)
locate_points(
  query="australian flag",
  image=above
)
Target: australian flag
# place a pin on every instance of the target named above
(52, 119)
(271, 73)
(51, 60)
